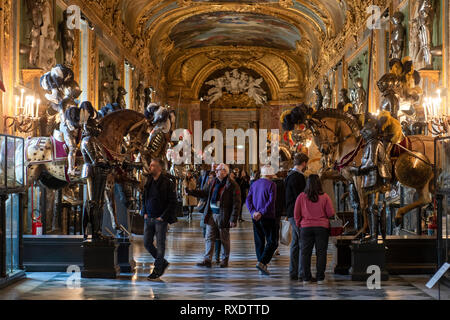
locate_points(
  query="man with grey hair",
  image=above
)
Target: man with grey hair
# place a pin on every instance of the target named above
(221, 213)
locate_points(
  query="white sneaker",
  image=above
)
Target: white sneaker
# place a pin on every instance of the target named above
(320, 281)
(263, 268)
(307, 282)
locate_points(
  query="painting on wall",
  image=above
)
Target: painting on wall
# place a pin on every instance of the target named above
(230, 28)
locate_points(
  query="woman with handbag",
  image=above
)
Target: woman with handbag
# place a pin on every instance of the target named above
(312, 211)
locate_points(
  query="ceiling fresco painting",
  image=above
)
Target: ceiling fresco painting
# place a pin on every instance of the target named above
(282, 40)
(229, 29)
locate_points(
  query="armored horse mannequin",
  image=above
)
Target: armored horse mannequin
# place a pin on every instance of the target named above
(337, 135)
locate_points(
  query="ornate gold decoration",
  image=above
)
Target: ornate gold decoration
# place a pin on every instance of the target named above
(234, 59)
(235, 100)
(332, 48)
(190, 68)
(286, 3)
(28, 75)
(182, 3)
(432, 75)
(108, 15)
(7, 20)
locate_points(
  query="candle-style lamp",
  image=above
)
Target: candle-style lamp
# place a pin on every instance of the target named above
(38, 102)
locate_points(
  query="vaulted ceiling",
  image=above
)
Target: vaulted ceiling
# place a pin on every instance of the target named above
(190, 39)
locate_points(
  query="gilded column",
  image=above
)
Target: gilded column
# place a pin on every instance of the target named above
(6, 54)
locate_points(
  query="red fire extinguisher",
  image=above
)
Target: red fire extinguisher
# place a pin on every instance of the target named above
(36, 226)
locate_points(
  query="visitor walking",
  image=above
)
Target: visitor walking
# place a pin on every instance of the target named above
(261, 204)
(244, 185)
(280, 204)
(158, 209)
(189, 202)
(221, 213)
(312, 211)
(294, 185)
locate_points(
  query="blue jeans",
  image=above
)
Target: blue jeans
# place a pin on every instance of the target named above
(152, 228)
(295, 264)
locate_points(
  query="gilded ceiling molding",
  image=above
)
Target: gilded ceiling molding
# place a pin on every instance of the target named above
(108, 15)
(183, 66)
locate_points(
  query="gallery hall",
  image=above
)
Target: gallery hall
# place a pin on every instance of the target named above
(200, 150)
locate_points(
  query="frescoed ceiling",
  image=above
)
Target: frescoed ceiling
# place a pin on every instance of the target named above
(233, 29)
(283, 40)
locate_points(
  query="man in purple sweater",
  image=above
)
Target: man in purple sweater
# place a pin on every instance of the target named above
(261, 204)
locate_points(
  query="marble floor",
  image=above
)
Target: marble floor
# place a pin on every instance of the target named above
(183, 280)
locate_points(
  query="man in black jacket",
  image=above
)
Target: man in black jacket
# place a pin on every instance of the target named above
(221, 213)
(158, 209)
(295, 183)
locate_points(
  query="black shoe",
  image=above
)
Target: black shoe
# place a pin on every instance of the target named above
(293, 277)
(153, 276)
(204, 263)
(166, 264)
(224, 264)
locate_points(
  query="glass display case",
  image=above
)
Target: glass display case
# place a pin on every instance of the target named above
(12, 188)
(442, 194)
(12, 169)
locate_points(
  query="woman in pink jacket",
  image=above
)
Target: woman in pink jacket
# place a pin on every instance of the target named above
(312, 210)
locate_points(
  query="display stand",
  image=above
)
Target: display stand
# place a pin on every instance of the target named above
(365, 255)
(100, 259)
(125, 255)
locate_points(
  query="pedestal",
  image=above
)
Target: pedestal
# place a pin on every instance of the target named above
(365, 255)
(100, 259)
(343, 257)
(125, 255)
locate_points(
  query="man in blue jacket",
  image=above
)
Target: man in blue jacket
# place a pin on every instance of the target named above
(261, 204)
(158, 210)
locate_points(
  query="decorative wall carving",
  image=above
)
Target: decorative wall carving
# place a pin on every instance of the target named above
(236, 89)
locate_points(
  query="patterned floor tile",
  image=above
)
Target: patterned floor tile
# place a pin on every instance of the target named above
(184, 281)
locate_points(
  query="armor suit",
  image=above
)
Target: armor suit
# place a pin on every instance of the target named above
(355, 204)
(344, 100)
(390, 102)
(376, 172)
(95, 171)
(397, 36)
(327, 93)
(319, 98)
(425, 19)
